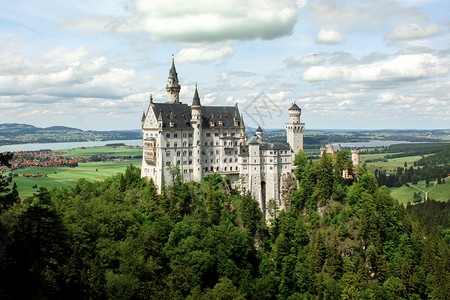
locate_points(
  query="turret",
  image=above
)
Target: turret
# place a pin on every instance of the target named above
(355, 156)
(173, 87)
(294, 113)
(294, 130)
(259, 133)
(196, 123)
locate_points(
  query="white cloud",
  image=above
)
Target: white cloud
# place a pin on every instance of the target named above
(206, 54)
(305, 60)
(329, 36)
(403, 68)
(201, 21)
(413, 31)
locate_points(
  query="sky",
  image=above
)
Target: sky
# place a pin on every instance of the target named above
(363, 64)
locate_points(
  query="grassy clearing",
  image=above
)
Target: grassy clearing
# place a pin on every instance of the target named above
(393, 163)
(65, 176)
(405, 194)
(104, 151)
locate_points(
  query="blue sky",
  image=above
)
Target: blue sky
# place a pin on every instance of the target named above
(366, 64)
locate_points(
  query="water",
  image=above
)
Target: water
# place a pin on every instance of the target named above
(66, 145)
(376, 143)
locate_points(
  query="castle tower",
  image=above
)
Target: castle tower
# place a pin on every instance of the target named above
(355, 157)
(295, 129)
(173, 87)
(196, 122)
(259, 133)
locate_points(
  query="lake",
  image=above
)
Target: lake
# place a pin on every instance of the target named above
(375, 143)
(72, 145)
(66, 145)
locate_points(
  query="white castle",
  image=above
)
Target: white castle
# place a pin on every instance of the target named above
(202, 140)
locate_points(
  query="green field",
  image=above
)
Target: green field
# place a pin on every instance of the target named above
(104, 151)
(391, 164)
(66, 176)
(404, 194)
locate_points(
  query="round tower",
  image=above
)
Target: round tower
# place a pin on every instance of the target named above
(355, 156)
(294, 130)
(173, 87)
(259, 133)
(294, 114)
(196, 123)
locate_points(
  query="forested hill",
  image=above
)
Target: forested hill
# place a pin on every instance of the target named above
(340, 239)
(23, 133)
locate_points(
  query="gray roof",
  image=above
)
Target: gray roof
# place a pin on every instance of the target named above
(259, 129)
(294, 107)
(181, 115)
(173, 72)
(252, 140)
(196, 100)
(275, 146)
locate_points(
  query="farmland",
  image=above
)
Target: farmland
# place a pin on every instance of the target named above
(66, 176)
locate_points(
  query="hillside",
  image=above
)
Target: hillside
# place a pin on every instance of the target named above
(11, 133)
(119, 239)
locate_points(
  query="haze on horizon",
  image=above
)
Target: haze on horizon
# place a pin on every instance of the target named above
(372, 64)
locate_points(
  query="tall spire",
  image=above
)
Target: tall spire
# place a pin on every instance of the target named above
(173, 72)
(173, 87)
(196, 100)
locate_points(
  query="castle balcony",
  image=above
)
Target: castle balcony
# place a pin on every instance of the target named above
(150, 159)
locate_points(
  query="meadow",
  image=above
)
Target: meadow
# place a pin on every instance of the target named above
(405, 194)
(117, 151)
(66, 176)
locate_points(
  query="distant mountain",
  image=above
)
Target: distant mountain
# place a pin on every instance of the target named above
(13, 133)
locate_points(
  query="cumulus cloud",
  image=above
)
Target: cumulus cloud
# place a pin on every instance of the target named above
(403, 68)
(203, 20)
(413, 31)
(305, 60)
(329, 36)
(205, 54)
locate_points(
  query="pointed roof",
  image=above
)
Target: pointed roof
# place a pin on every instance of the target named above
(196, 100)
(173, 72)
(143, 116)
(259, 129)
(160, 118)
(294, 107)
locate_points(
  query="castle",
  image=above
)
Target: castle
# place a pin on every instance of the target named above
(201, 140)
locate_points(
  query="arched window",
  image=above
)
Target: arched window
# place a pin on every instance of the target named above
(178, 153)
(175, 144)
(168, 145)
(224, 160)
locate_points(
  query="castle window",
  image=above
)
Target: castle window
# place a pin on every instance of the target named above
(206, 161)
(206, 143)
(225, 168)
(235, 143)
(217, 152)
(216, 134)
(178, 153)
(235, 160)
(224, 134)
(168, 145)
(190, 162)
(208, 134)
(178, 162)
(184, 171)
(184, 153)
(190, 134)
(232, 134)
(175, 135)
(211, 153)
(167, 135)
(168, 154)
(211, 144)
(190, 153)
(184, 144)
(175, 144)
(184, 135)
(224, 160)
(190, 144)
